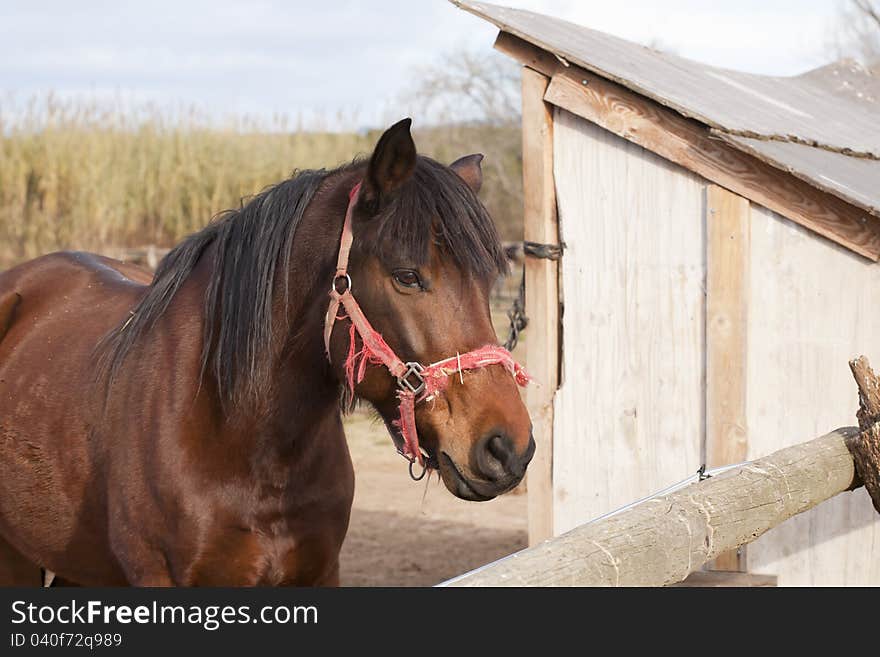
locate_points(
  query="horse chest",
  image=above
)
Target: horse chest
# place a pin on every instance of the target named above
(291, 536)
(302, 550)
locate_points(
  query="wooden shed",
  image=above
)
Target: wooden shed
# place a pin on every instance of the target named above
(721, 232)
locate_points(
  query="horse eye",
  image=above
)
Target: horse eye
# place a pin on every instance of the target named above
(407, 278)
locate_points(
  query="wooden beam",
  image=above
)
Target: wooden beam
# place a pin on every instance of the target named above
(664, 539)
(542, 296)
(690, 144)
(526, 54)
(727, 289)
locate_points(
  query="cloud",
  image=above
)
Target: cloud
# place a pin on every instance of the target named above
(271, 56)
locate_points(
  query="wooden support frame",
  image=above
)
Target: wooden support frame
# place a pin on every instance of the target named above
(691, 145)
(542, 296)
(728, 225)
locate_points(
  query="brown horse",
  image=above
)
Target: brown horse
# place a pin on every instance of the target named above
(187, 429)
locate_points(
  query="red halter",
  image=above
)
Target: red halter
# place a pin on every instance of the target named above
(415, 382)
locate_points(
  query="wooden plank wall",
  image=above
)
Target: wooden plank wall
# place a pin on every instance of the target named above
(809, 306)
(813, 306)
(629, 418)
(629, 414)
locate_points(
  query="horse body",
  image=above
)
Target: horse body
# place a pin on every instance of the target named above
(151, 471)
(153, 474)
(41, 364)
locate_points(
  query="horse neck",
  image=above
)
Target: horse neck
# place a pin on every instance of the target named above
(305, 393)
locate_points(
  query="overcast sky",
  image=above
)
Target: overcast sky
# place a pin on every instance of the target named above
(313, 58)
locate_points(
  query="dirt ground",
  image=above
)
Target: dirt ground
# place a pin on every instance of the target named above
(406, 533)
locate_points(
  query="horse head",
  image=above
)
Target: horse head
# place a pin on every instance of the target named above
(424, 253)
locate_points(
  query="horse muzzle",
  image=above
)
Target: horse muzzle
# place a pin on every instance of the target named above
(496, 466)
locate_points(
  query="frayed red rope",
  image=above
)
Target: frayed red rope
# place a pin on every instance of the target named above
(406, 424)
(357, 360)
(356, 368)
(437, 377)
(350, 362)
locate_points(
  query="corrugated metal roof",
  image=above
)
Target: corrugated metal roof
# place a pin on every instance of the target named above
(822, 126)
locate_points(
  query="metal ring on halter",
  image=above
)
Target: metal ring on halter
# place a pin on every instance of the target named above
(347, 284)
(421, 476)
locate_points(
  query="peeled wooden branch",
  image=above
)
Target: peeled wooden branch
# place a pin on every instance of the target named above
(663, 540)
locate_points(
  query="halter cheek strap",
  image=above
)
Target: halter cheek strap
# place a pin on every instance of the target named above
(415, 382)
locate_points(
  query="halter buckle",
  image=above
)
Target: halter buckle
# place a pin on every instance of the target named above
(413, 371)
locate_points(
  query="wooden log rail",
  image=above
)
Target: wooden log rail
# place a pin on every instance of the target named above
(664, 539)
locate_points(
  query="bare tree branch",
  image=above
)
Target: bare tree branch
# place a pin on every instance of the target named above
(468, 86)
(867, 9)
(857, 33)
(469, 102)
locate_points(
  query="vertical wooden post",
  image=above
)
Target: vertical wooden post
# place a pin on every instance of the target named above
(727, 269)
(542, 296)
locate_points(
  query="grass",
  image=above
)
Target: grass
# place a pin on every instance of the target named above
(83, 176)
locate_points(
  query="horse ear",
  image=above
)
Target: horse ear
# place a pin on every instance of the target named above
(392, 162)
(468, 168)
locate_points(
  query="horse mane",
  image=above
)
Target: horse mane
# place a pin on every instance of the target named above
(252, 246)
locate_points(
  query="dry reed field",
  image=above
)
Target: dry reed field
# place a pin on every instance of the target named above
(85, 175)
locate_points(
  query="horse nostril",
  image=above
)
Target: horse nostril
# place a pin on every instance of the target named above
(501, 448)
(489, 465)
(495, 456)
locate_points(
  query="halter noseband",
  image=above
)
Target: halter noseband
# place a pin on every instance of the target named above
(415, 382)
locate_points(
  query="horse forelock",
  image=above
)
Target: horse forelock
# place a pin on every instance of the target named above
(436, 207)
